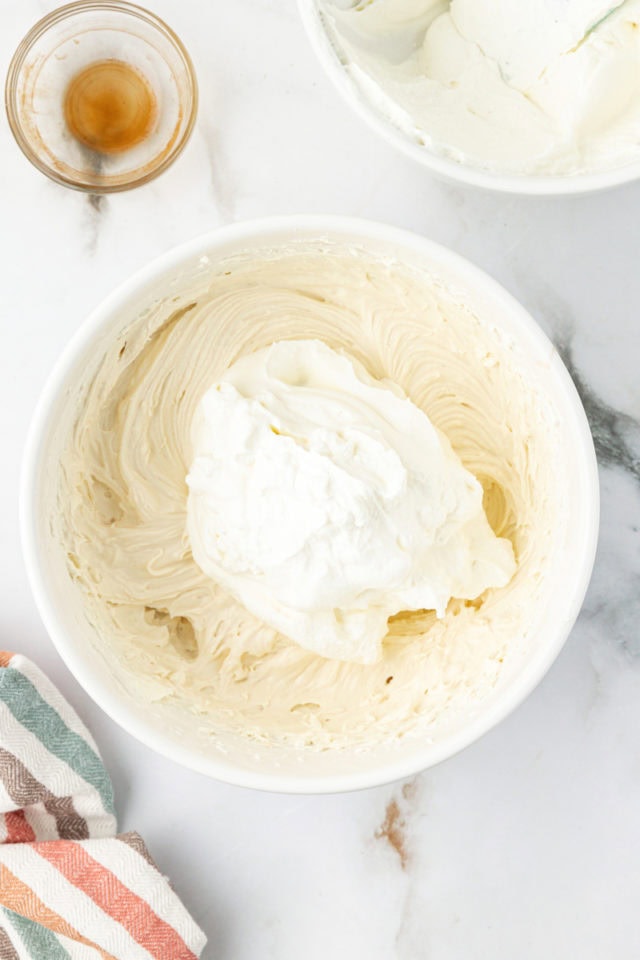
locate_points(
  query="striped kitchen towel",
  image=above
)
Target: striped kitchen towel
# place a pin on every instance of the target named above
(70, 887)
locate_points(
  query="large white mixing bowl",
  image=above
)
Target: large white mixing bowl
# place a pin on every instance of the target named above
(176, 734)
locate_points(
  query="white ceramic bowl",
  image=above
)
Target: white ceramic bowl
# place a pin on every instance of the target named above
(235, 759)
(439, 165)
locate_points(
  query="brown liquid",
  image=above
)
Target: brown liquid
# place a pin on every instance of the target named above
(109, 106)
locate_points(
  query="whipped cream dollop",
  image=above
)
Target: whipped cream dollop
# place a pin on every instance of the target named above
(547, 86)
(326, 501)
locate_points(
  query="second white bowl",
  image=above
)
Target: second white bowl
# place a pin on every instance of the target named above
(440, 165)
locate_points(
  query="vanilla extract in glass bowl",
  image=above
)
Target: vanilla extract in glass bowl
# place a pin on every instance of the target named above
(110, 106)
(101, 96)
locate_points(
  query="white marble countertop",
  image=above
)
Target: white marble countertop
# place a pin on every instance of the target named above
(525, 846)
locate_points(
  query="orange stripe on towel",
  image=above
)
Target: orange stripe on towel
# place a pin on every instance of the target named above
(6, 658)
(17, 896)
(118, 901)
(19, 830)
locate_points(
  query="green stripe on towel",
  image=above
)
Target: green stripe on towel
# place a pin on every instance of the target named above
(41, 943)
(29, 709)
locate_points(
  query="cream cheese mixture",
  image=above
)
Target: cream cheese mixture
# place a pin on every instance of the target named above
(180, 637)
(542, 87)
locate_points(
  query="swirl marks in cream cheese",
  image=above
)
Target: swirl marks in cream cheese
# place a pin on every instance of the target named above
(123, 499)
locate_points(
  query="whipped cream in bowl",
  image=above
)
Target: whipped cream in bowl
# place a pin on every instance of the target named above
(326, 502)
(309, 504)
(542, 97)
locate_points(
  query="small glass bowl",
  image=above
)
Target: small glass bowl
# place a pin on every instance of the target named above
(61, 46)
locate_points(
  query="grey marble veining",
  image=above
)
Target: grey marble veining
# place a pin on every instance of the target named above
(616, 435)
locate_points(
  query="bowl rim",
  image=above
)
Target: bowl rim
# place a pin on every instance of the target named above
(252, 232)
(442, 166)
(16, 64)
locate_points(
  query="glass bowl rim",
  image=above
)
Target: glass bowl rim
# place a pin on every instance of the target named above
(39, 29)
